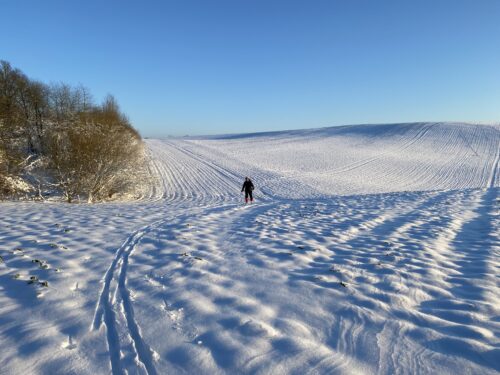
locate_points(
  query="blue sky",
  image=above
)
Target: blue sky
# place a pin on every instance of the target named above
(208, 66)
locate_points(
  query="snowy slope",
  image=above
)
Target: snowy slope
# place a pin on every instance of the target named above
(370, 158)
(370, 249)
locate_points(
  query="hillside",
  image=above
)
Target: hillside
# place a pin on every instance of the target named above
(370, 249)
(348, 160)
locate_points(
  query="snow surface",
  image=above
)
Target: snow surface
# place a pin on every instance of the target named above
(370, 249)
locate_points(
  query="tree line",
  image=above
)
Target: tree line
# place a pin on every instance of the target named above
(54, 139)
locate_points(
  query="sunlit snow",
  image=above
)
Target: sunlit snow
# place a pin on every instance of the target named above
(370, 249)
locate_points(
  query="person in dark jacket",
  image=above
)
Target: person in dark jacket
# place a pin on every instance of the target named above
(247, 188)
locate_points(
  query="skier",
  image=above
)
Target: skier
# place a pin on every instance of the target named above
(248, 188)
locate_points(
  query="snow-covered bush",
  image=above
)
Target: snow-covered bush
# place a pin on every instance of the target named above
(11, 183)
(95, 160)
(57, 137)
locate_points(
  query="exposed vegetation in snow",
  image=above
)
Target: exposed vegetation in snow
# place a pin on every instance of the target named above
(55, 139)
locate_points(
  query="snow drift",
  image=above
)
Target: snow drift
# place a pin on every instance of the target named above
(371, 249)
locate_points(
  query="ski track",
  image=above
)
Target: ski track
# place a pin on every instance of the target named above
(105, 312)
(401, 279)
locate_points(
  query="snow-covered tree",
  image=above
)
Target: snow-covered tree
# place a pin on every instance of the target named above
(91, 150)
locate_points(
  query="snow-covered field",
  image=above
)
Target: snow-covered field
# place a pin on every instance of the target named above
(370, 249)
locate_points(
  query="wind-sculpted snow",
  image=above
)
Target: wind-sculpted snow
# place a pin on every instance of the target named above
(310, 279)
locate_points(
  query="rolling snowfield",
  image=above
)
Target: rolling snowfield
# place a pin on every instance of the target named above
(370, 249)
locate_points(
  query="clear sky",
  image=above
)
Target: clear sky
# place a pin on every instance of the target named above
(209, 66)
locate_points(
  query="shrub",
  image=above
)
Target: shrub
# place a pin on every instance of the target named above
(90, 150)
(94, 160)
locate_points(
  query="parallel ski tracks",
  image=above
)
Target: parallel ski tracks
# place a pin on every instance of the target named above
(179, 187)
(494, 169)
(180, 183)
(363, 162)
(105, 311)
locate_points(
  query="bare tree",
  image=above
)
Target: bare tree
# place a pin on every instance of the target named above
(97, 156)
(91, 150)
